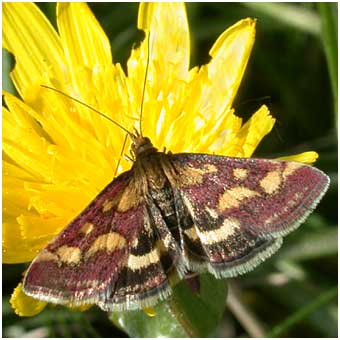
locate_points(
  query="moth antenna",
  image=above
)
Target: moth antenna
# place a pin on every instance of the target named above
(129, 158)
(255, 100)
(89, 107)
(121, 155)
(144, 85)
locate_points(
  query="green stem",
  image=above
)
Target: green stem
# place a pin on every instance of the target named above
(328, 13)
(303, 312)
(177, 313)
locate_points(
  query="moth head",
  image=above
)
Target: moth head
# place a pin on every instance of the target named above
(141, 145)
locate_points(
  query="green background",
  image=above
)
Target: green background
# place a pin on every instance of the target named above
(293, 70)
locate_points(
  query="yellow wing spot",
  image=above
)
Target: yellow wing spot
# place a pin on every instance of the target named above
(228, 228)
(160, 245)
(271, 182)
(240, 173)
(147, 226)
(192, 233)
(166, 241)
(108, 242)
(189, 206)
(107, 205)
(290, 168)
(139, 262)
(192, 176)
(70, 255)
(209, 168)
(213, 213)
(233, 197)
(131, 197)
(87, 228)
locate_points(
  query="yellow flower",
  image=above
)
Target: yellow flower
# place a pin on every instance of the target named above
(58, 154)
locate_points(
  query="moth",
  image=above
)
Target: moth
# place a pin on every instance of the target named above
(171, 214)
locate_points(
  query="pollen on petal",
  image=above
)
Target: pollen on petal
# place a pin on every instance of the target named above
(151, 312)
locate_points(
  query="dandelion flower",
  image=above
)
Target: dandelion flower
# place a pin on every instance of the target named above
(58, 154)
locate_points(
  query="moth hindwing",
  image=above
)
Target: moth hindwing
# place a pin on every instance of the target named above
(168, 215)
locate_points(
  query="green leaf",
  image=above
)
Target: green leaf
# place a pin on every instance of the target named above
(324, 299)
(186, 314)
(329, 19)
(316, 245)
(7, 65)
(290, 14)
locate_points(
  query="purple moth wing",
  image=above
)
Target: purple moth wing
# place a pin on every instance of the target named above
(242, 207)
(79, 265)
(143, 281)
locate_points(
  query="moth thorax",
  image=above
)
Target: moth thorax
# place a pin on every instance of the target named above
(142, 145)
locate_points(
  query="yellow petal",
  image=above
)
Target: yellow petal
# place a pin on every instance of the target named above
(14, 248)
(251, 133)
(230, 55)
(37, 231)
(24, 305)
(53, 129)
(10, 169)
(308, 157)
(224, 141)
(13, 190)
(169, 35)
(24, 237)
(164, 56)
(94, 77)
(28, 145)
(31, 38)
(83, 39)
